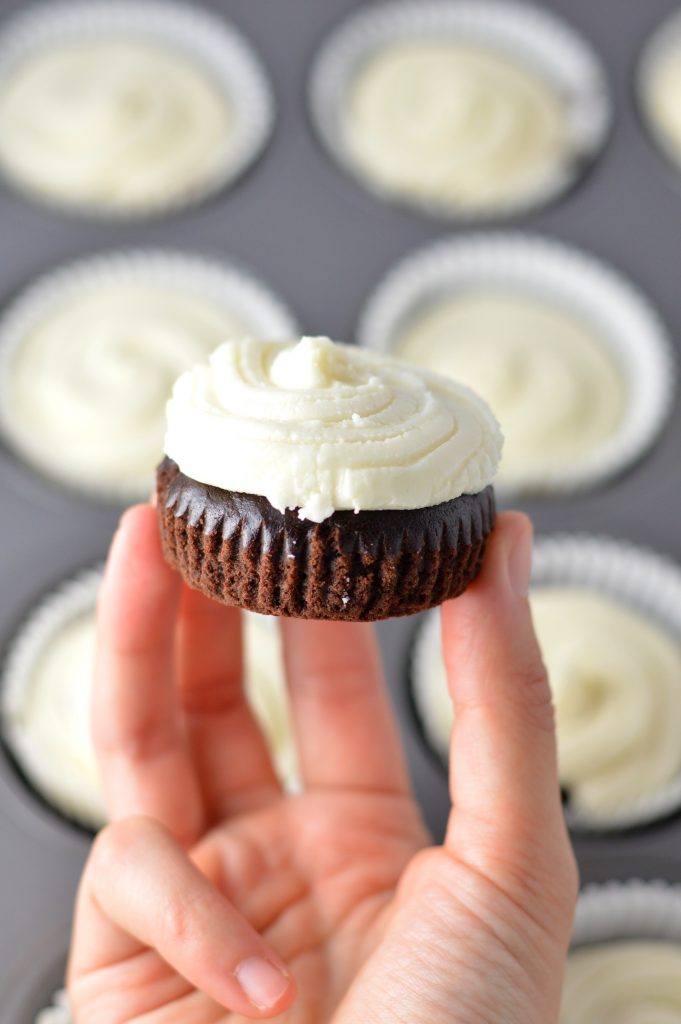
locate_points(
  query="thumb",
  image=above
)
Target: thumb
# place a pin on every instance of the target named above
(503, 764)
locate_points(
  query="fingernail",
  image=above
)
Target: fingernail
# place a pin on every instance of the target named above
(520, 562)
(263, 983)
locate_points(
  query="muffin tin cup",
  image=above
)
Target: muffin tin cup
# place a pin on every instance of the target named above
(565, 277)
(665, 39)
(534, 36)
(72, 598)
(639, 579)
(210, 41)
(220, 283)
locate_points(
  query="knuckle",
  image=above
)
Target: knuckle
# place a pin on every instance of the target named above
(529, 691)
(181, 917)
(117, 843)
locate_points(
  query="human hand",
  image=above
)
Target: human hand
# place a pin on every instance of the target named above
(212, 897)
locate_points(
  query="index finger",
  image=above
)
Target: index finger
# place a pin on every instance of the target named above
(137, 722)
(345, 728)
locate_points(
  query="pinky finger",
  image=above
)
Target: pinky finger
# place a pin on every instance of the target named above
(141, 891)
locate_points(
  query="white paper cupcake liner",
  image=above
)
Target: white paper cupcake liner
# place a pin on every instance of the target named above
(634, 909)
(73, 598)
(665, 39)
(644, 581)
(528, 33)
(629, 326)
(206, 38)
(239, 292)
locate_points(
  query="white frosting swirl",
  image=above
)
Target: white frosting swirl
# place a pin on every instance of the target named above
(623, 982)
(455, 123)
(549, 378)
(662, 90)
(119, 123)
(83, 394)
(322, 427)
(50, 718)
(50, 723)
(616, 684)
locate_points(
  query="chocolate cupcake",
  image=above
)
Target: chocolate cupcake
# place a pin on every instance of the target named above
(322, 481)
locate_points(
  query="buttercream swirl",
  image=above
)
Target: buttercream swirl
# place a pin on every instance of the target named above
(548, 376)
(616, 683)
(50, 719)
(119, 123)
(635, 982)
(323, 427)
(84, 392)
(455, 123)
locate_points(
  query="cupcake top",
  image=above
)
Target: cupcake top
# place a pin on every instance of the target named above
(48, 686)
(548, 374)
(89, 356)
(616, 683)
(454, 122)
(631, 982)
(118, 123)
(322, 427)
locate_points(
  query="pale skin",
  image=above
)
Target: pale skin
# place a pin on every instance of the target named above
(214, 898)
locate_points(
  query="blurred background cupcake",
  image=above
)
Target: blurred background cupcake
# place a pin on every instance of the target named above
(46, 688)
(659, 87)
(460, 108)
(89, 354)
(127, 108)
(608, 620)
(625, 961)
(571, 358)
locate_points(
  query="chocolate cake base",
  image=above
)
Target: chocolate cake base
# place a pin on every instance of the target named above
(237, 548)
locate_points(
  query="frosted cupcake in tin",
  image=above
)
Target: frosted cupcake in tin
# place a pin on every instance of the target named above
(318, 480)
(607, 621)
(625, 961)
(89, 353)
(639, 978)
(47, 687)
(460, 108)
(659, 87)
(127, 108)
(573, 361)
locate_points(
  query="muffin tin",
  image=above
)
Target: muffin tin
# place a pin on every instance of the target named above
(323, 243)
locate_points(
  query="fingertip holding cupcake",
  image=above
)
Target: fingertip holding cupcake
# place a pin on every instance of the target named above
(317, 480)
